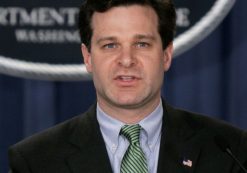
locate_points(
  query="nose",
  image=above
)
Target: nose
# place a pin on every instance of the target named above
(127, 58)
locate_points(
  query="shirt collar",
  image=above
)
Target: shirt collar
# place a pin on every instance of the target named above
(152, 125)
(110, 127)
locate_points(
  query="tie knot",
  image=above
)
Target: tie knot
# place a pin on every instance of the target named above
(131, 132)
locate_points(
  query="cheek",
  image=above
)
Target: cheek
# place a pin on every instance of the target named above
(99, 79)
(156, 72)
(100, 70)
(155, 64)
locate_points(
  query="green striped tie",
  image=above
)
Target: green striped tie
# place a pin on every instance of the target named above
(134, 160)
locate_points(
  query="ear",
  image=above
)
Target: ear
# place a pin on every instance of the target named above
(168, 52)
(87, 57)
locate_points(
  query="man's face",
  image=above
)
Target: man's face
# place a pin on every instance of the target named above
(126, 59)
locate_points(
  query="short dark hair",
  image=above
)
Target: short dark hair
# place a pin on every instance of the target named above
(164, 9)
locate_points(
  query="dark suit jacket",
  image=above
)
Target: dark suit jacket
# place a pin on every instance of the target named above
(77, 146)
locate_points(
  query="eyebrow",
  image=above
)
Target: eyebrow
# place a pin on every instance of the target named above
(110, 38)
(144, 36)
(137, 36)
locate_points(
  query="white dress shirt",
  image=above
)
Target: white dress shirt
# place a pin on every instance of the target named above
(117, 145)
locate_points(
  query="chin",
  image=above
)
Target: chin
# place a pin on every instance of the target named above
(129, 103)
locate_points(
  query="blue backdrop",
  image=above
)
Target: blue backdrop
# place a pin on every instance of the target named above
(211, 79)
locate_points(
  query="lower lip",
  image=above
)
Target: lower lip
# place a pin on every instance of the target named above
(127, 83)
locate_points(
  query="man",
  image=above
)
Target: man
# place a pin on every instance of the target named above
(127, 47)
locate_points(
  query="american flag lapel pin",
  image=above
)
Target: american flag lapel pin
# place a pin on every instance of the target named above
(187, 162)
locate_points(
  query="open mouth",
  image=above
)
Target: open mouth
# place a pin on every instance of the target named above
(127, 80)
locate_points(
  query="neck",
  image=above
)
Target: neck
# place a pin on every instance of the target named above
(129, 115)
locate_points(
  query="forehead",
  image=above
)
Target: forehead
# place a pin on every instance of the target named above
(126, 19)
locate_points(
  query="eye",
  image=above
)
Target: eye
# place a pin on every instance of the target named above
(110, 46)
(142, 44)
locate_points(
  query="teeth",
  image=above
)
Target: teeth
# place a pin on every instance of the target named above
(126, 78)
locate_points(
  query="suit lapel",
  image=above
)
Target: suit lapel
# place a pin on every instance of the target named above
(90, 153)
(179, 143)
(179, 147)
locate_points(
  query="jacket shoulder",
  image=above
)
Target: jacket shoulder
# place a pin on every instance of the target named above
(209, 127)
(55, 139)
(198, 121)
